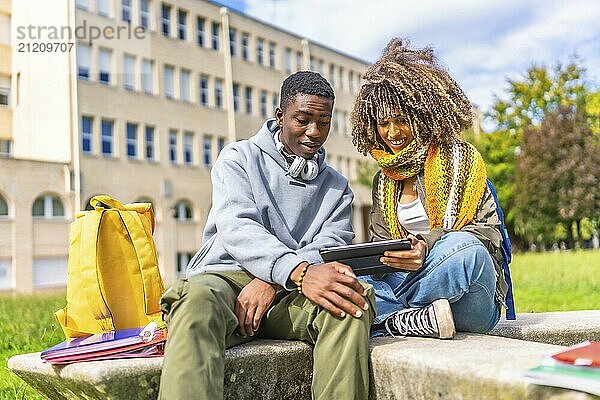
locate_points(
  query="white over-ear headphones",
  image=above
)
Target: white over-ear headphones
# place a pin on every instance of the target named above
(300, 166)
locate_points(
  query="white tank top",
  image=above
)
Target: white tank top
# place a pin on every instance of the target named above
(412, 217)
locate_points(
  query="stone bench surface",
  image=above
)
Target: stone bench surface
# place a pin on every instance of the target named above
(469, 367)
(563, 328)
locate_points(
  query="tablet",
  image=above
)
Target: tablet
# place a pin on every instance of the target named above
(364, 257)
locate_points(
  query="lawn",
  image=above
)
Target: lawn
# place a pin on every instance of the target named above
(562, 281)
(543, 282)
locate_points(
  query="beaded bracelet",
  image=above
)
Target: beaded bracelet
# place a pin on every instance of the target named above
(301, 277)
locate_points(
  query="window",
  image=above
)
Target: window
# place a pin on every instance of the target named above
(232, 42)
(182, 261)
(105, 61)
(218, 93)
(263, 104)
(165, 18)
(313, 65)
(84, 61)
(341, 77)
(320, 66)
(287, 60)
(298, 61)
(126, 10)
(188, 148)
(203, 90)
(148, 76)
(248, 100)
(103, 7)
(332, 74)
(5, 148)
(181, 24)
(48, 207)
(200, 31)
(149, 143)
(83, 4)
(145, 14)
(220, 143)
(4, 92)
(216, 27)
(275, 103)
(272, 55)
(169, 82)
(184, 85)
(236, 96)
(343, 123)
(107, 137)
(3, 207)
(245, 49)
(86, 134)
(183, 211)
(207, 150)
(129, 72)
(173, 146)
(334, 122)
(351, 81)
(132, 136)
(260, 44)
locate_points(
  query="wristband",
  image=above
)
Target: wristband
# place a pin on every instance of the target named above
(301, 278)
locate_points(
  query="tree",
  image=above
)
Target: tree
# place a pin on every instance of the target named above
(558, 170)
(535, 94)
(538, 92)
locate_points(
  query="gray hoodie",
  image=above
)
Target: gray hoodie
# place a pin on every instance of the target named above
(266, 222)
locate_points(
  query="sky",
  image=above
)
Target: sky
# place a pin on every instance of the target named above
(481, 43)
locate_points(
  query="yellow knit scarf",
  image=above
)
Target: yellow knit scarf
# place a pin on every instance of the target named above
(455, 181)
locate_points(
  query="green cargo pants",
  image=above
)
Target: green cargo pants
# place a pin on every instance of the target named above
(200, 317)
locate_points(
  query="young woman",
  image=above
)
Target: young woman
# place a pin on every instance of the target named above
(431, 188)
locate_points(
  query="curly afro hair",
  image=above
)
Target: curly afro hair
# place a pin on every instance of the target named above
(409, 83)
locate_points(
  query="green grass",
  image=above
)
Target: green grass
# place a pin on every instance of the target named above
(543, 282)
(26, 325)
(563, 281)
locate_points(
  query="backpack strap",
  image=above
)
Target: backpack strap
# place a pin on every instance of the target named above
(89, 270)
(506, 249)
(145, 252)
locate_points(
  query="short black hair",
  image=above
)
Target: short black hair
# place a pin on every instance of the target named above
(305, 82)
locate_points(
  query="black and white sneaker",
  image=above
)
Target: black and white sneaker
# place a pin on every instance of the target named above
(434, 320)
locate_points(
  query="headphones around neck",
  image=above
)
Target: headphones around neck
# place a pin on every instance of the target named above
(298, 166)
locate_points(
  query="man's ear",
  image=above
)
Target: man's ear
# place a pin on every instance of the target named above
(279, 116)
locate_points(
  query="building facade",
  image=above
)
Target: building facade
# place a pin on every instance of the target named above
(140, 112)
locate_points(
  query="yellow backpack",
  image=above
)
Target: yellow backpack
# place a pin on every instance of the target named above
(113, 282)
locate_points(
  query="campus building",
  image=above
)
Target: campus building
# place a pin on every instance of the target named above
(139, 112)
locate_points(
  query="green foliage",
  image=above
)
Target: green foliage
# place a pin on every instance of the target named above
(564, 281)
(538, 92)
(558, 172)
(27, 325)
(592, 109)
(529, 99)
(366, 169)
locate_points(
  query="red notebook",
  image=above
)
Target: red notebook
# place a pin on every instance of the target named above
(584, 354)
(148, 341)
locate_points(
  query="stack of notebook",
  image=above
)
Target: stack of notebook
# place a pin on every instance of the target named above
(576, 368)
(148, 341)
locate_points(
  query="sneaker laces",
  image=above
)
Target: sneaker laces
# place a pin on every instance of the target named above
(413, 322)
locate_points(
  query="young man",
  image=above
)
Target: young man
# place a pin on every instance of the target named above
(275, 203)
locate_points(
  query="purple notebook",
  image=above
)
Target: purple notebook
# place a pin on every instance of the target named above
(136, 342)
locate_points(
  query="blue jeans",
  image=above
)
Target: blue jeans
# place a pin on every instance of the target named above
(458, 268)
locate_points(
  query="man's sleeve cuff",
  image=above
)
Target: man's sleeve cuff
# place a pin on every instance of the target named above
(283, 267)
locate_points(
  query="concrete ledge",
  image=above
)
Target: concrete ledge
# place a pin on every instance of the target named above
(263, 369)
(563, 328)
(468, 367)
